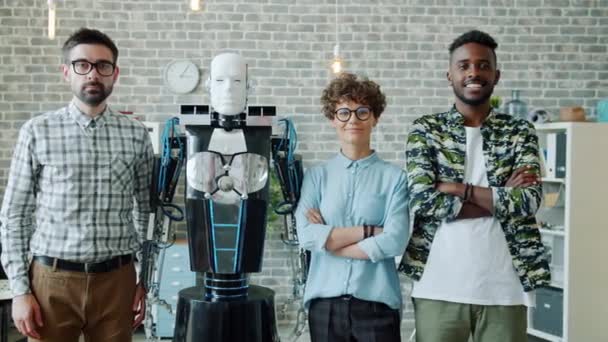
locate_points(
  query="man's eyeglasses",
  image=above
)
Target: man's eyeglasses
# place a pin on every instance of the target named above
(362, 113)
(83, 67)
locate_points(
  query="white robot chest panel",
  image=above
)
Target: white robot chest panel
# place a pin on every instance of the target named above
(227, 173)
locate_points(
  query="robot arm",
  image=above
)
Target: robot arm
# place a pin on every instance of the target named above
(165, 176)
(160, 235)
(288, 170)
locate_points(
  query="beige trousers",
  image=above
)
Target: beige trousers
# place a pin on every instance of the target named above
(96, 305)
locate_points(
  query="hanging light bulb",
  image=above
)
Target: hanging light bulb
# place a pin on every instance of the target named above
(195, 5)
(51, 28)
(336, 65)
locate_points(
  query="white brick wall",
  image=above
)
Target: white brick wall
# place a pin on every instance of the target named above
(555, 51)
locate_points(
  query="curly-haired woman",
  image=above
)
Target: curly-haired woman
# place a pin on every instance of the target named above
(353, 217)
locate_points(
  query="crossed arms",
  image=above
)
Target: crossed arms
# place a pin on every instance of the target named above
(318, 233)
(431, 198)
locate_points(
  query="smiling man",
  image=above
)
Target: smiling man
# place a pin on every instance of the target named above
(77, 203)
(475, 252)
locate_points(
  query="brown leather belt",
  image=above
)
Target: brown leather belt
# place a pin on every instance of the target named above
(93, 267)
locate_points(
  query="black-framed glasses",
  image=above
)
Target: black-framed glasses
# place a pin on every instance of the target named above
(362, 113)
(83, 67)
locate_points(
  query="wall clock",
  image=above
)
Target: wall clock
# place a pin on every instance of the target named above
(181, 76)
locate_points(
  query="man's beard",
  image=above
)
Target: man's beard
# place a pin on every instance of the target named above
(95, 98)
(473, 102)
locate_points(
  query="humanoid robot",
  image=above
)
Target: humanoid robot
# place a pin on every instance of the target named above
(226, 201)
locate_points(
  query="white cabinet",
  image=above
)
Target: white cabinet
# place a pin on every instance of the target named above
(574, 219)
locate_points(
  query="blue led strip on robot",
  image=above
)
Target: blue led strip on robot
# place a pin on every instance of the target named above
(230, 289)
(226, 225)
(213, 235)
(238, 235)
(215, 280)
(224, 296)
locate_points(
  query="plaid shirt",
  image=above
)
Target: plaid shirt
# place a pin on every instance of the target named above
(78, 189)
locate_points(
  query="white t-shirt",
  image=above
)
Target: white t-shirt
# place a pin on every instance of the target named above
(469, 261)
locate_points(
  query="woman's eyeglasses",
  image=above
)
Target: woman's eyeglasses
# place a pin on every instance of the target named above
(362, 113)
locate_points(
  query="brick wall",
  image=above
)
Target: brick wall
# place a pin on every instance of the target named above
(555, 51)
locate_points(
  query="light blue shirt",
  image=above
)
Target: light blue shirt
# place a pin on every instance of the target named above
(352, 193)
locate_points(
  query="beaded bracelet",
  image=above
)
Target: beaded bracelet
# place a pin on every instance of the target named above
(468, 192)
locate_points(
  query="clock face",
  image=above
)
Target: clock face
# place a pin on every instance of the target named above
(181, 76)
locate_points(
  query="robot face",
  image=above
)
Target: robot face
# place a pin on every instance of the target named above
(228, 84)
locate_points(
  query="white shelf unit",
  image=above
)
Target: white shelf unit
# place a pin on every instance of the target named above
(544, 335)
(579, 242)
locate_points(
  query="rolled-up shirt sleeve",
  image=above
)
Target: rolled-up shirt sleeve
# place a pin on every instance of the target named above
(393, 239)
(311, 236)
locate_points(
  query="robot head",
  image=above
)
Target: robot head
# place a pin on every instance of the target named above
(228, 84)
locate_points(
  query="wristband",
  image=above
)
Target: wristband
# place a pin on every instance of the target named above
(366, 232)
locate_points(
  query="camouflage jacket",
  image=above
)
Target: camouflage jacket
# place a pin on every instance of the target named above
(435, 153)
